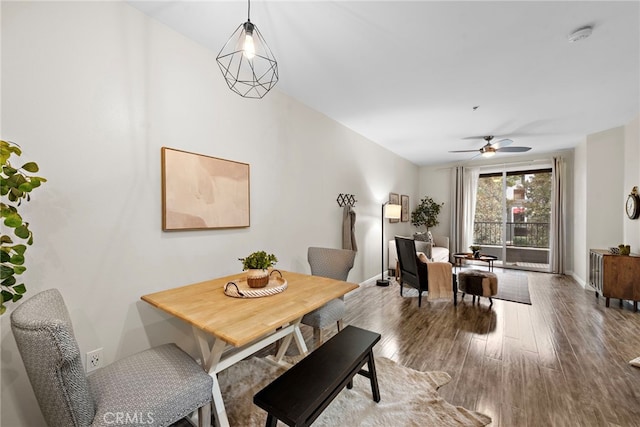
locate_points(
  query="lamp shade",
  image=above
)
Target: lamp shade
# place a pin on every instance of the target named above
(392, 211)
(247, 64)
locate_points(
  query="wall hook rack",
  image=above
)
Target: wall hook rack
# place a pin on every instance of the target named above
(346, 200)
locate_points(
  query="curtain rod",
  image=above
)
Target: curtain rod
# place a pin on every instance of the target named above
(522, 162)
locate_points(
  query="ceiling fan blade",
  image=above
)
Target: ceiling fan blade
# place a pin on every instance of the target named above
(502, 143)
(463, 151)
(513, 149)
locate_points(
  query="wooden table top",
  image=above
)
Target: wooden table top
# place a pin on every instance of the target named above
(239, 321)
(469, 255)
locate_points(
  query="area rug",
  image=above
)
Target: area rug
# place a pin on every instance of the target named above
(408, 398)
(513, 287)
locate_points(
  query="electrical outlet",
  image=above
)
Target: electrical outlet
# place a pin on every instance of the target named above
(94, 360)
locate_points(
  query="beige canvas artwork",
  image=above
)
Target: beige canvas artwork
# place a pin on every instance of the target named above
(200, 192)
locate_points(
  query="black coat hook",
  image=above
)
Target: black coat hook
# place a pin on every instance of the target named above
(346, 200)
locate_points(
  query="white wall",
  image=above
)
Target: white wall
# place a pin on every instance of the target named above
(435, 182)
(92, 91)
(606, 169)
(605, 172)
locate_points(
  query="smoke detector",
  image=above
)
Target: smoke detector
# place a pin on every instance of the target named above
(580, 33)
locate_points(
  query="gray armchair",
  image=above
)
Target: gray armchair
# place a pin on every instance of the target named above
(155, 387)
(334, 264)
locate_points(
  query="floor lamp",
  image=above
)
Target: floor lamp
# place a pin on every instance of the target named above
(389, 211)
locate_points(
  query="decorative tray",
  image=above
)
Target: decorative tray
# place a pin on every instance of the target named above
(240, 289)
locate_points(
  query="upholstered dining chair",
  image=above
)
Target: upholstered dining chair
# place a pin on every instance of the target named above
(334, 264)
(155, 387)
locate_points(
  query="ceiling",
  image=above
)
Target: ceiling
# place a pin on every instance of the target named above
(408, 74)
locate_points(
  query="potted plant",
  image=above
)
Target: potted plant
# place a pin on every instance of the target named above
(257, 265)
(426, 213)
(15, 186)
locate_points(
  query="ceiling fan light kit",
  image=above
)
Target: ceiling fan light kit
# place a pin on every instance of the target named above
(247, 63)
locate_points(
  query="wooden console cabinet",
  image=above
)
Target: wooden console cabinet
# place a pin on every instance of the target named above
(615, 276)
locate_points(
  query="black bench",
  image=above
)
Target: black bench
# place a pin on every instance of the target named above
(299, 396)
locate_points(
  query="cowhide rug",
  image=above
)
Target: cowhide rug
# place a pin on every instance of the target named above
(408, 398)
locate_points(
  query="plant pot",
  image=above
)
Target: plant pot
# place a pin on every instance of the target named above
(476, 254)
(257, 278)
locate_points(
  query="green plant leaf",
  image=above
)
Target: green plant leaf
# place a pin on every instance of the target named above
(17, 260)
(16, 180)
(23, 232)
(13, 220)
(4, 257)
(20, 249)
(2, 309)
(19, 269)
(31, 167)
(5, 239)
(20, 289)
(8, 170)
(25, 187)
(5, 271)
(6, 296)
(16, 192)
(9, 281)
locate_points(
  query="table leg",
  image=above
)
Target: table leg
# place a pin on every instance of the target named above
(295, 334)
(210, 358)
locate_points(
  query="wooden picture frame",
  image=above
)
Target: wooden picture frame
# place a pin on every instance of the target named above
(201, 192)
(404, 202)
(394, 199)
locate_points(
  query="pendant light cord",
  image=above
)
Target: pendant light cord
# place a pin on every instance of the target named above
(249, 10)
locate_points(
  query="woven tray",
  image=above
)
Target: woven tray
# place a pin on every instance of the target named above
(241, 289)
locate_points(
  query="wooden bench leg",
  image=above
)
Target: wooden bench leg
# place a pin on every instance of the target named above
(375, 391)
(372, 375)
(271, 421)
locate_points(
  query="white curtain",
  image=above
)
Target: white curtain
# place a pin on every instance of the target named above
(464, 190)
(558, 213)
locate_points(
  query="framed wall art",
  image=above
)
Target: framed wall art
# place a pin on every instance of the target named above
(202, 192)
(394, 199)
(404, 201)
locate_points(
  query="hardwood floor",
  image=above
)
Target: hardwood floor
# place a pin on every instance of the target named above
(562, 361)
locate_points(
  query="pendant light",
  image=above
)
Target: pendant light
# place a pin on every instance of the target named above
(247, 63)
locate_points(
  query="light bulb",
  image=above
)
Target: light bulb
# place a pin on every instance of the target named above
(249, 49)
(488, 154)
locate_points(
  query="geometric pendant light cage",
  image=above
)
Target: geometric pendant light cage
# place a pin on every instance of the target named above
(247, 63)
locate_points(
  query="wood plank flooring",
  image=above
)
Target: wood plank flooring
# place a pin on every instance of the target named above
(562, 361)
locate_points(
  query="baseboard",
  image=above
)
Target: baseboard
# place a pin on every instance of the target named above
(578, 279)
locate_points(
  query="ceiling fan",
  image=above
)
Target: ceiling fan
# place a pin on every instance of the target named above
(490, 149)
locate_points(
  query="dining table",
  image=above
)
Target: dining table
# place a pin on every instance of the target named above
(241, 326)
